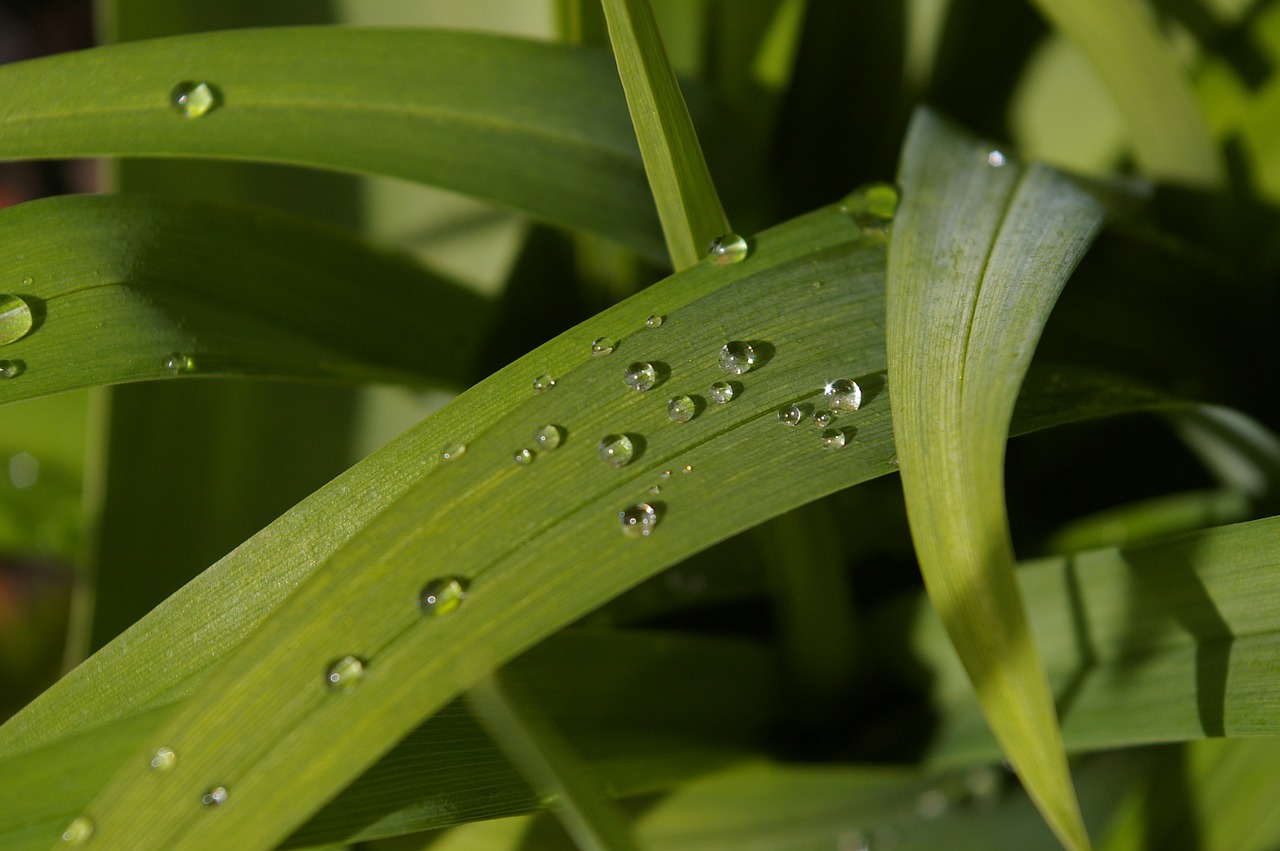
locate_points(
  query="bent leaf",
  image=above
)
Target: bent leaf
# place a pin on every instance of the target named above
(981, 248)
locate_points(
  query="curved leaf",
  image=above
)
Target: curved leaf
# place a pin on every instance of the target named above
(126, 288)
(981, 248)
(537, 127)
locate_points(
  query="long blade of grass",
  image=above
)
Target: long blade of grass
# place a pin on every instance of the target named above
(131, 289)
(1170, 137)
(540, 128)
(981, 248)
(688, 205)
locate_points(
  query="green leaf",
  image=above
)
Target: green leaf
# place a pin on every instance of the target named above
(980, 251)
(688, 205)
(130, 289)
(1170, 137)
(536, 127)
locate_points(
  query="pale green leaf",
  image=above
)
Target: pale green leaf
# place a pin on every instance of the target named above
(980, 250)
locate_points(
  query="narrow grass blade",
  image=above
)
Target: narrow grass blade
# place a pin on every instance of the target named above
(130, 289)
(539, 128)
(980, 249)
(688, 205)
(1170, 137)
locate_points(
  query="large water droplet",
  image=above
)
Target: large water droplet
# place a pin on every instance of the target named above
(833, 438)
(601, 346)
(524, 457)
(344, 675)
(15, 319)
(442, 596)
(79, 831)
(176, 363)
(843, 396)
(638, 520)
(215, 797)
(452, 451)
(10, 369)
(640, 376)
(548, 437)
(543, 383)
(654, 321)
(616, 450)
(164, 759)
(736, 357)
(790, 415)
(721, 392)
(194, 99)
(727, 249)
(681, 409)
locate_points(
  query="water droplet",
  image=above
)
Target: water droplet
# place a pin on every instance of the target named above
(175, 363)
(601, 346)
(28, 281)
(442, 596)
(15, 319)
(932, 803)
(687, 468)
(344, 675)
(452, 451)
(654, 490)
(638, 520)
(79, 831)
(721, 392)
(640, 376)
(194, 99)
(215, 797)
(654, 321)
(872, 207)
(737, 357)
(524, 457)
(790, 415)
(666, 474)
(543, 383)
(548, 437)
(164, 759)
(833, 438)
(681, 409)
(843, 396)
(822, 419)
(995, 159)
(616, 450)
(727, 249)
(10, 368)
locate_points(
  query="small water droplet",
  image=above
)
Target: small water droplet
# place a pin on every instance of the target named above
(344, 675)
(822, 419)
(79, 831)
(687, 468)
(654, 321)
(442, 596)
(666, 474)
(215, 797)
(843, 396)
(175, 363)
(638, 520)
(164, 759)
(616, 450)
(601, 346)
(524, 457)
(721, 392)
(872, 207)
(727, 249)
(548, 437)
(790, 415)
(833, 438)
(932, 803)
(10, 369)
(681, 409)
(640, 376)
(194, 99)
(655, 490)
(28, 281)
(452, 451)
(995, 159)
(15, 319)
(543, 383)
(736, 357)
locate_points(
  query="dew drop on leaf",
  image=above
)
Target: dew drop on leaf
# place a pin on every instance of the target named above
(640, 376)
(543, 383)
(524, 457)
(194, 99)
(721, 392)
(737, 357)
(616, 450)
(164, 759)
(638, 520)
(10, 369)
(843, 396)
(822, 419)
(727, 249)
(15, 319)
(833, 438)
(654, 321)
(548, 437)
(78, 832)
(601, 346)
(872, 208)
(442, 596)
(176, 363)
(452, 451)
(215, 797)
(790, 415)
(344, 675)
(680, 409)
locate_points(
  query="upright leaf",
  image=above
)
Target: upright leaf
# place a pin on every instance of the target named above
(980, 250)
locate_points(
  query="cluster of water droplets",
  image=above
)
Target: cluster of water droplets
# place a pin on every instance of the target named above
(840, 397)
